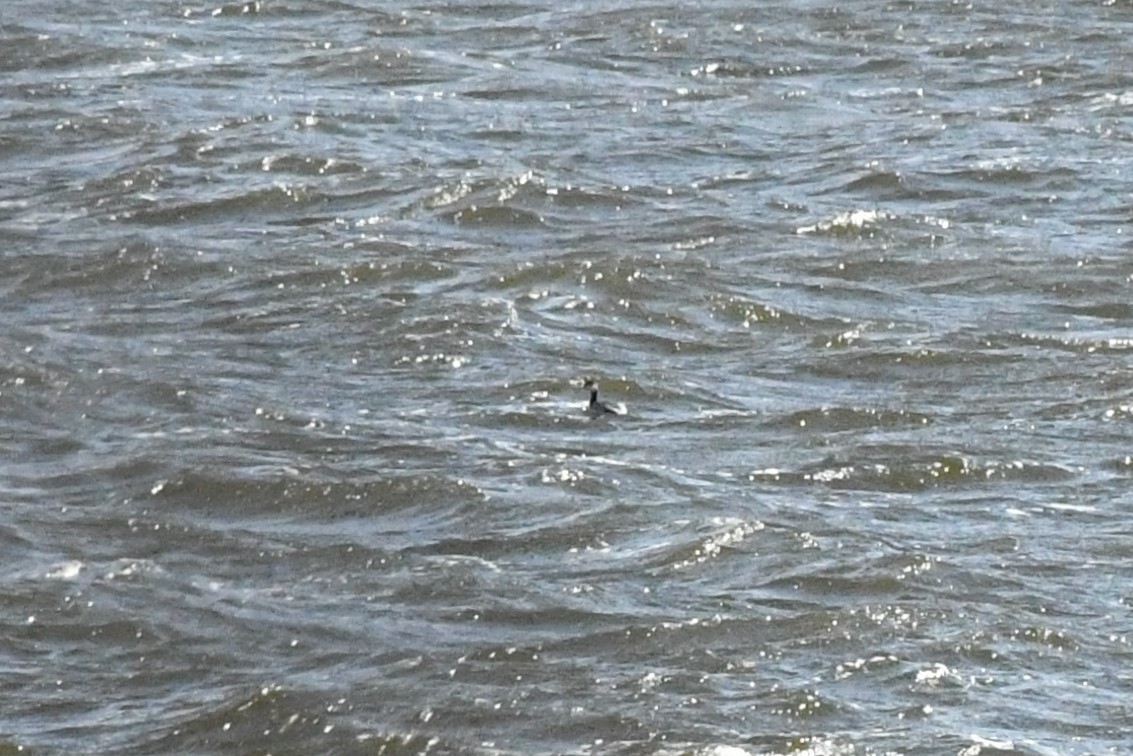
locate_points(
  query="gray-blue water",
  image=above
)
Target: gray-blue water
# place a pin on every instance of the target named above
(297, 298)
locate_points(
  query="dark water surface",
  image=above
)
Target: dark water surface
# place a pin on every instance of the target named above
(296, 301)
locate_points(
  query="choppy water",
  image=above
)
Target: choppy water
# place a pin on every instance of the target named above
(296, 297)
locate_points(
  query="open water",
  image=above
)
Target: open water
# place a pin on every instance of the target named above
(297, 298)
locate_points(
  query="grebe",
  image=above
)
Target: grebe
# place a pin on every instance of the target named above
(597, 408)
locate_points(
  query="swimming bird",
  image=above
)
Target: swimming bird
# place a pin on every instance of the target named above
(597, 408)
